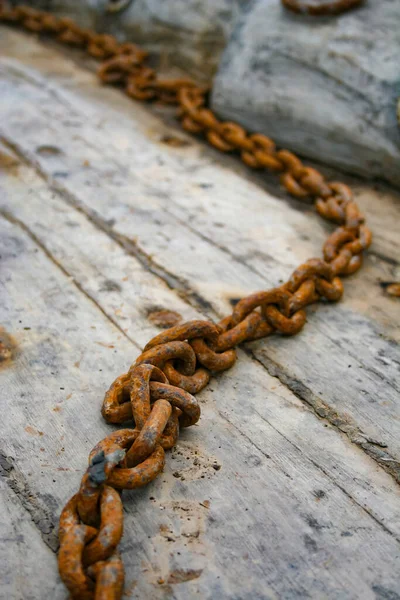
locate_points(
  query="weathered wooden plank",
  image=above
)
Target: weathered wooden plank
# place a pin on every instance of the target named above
(105, 272)
(171, 215)
(320, 543)
(308, 490)
(381, 204)
(28, 566)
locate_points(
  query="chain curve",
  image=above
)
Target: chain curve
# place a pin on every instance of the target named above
(156, 394)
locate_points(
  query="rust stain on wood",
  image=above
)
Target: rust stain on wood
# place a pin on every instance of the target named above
(7, 347)
(9, 163)
(164, 318)
(182, 575)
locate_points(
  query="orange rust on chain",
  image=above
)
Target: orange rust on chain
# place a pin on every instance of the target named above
(150, 434)
(214, 361)
(321, 7)
(165, 356)
(116, 405)
(330, 290)
(171, 432)
(187, 331)
(393, 289)
(104, 541)
(109, 576)
(164, 318)
(191, 383)
(179, 398)
(156, 392)
(141, 475)
(170, 350)
(70, 564)
(140, 378)
(242, 332)
(306, 294)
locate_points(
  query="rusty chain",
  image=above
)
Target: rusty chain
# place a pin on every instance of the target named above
(156, 394)
(321, 7)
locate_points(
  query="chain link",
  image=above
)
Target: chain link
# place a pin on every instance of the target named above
(321, 7)
(156, 394)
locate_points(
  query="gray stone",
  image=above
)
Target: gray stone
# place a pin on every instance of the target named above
(192, 33)
(325, 87)
(189, 33)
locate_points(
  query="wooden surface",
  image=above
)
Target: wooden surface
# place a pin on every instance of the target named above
(106, 217)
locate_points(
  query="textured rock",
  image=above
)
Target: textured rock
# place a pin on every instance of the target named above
(194, 32)
(190, 33)
(325, 87)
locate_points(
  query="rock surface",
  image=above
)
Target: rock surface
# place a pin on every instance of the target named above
(189, 33)
(325, 87)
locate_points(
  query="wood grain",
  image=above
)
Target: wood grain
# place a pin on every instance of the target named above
(279, 492)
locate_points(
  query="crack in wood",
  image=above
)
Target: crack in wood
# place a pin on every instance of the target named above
(322, 410)
(6, 215)
(175, 283)
(41, 510)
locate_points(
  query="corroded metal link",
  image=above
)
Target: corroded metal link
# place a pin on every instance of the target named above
(285, 325)
(186, 331)
(141, 475)
(156, 391)
(362, 243)
(215, 361)
(171, 432)
(187, 377)
(110, 530)
(180, 398)
(102, 46)
(342, 193)
(117, 403)
(70, 517)
(306, 294)
(354, 265)
(118, 68)
(340, 263)
(314, 267)
(109, 452)
(264, 328)
(103, 459)
(289, 181)
(321, 8)
(70, 563)
(109, 576)
(393, 290)
(251, 328)
(191, 383)
(139, 83)
(159, 355)
(150, 434)
(335, 241)
(140, 377)
(107, 538)
(262, 154)
(330, 210)
(314, 183)
(330, 290)
(334, 207)
(244, 307)
(236, 136)
(72, 34)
